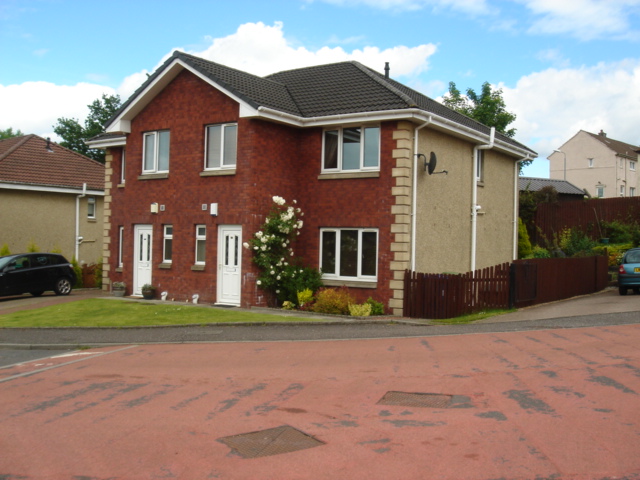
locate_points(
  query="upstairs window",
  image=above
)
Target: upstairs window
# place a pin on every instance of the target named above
(480, 167)
(123, 165)
(156, 152)
(351, 149)
(91, 207)
(349, 254)
(590, 160)
(221, 146)
(632, 166)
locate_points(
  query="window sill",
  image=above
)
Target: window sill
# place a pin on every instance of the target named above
(349, 283)
(153, 176)
(218, 173)
(118, 269)
(347, 175)
(120, 185)
(197, 268)
(164, 266)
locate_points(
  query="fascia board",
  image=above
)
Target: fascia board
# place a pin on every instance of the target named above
(123, 122)
(44, 188)
(107, 143)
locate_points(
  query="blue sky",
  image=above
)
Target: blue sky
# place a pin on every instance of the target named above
(563, 65)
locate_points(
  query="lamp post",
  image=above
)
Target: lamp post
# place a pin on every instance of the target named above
(565, 162)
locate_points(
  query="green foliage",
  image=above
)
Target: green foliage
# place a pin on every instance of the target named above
(78, 270)
(618, 232)
(272, 246)
(575, 243)
(56, 249)
(8, 133)
(539, 252)
(524, 244)
(334, 301)
(377, 308)
(305, 297)
(5, 250)
(74, 134)
(32, 247)
(363, 310)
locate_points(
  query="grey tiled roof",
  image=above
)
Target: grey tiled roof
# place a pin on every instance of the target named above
(323, 90)
(621, 148)
(536, 184)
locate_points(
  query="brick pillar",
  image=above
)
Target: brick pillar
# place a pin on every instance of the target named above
(106, 231)
(401, 228)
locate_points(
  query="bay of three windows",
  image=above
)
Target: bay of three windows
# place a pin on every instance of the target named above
(344, 149)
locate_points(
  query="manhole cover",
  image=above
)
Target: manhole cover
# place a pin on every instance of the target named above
(272, 441)
(425, 400)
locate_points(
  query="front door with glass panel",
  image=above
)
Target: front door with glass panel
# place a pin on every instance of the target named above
(142, 257)
(229, 264)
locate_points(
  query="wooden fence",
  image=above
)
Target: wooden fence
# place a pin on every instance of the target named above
(587, 215)
(522, 283)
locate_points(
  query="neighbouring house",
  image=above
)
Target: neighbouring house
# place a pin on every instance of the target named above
(567, 191)
(196, 154)
(602, 166)
(50, 197)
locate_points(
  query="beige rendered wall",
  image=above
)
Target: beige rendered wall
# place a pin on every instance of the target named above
(607, 170)
(48, 220)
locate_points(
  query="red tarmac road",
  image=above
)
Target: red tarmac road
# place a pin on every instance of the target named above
(552, 404)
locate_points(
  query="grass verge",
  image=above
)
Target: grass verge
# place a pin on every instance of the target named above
(470, 318)
(96, 312)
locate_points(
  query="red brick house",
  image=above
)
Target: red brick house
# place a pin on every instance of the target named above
(195, 156)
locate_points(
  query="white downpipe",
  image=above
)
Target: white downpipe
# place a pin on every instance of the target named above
(414, 193)
(516, 198)
(474, 197)
(84, 192)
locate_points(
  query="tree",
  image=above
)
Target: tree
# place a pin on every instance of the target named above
(74, 134)
(8, 133)
(487, 108)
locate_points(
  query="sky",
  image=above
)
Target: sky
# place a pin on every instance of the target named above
(562, 65)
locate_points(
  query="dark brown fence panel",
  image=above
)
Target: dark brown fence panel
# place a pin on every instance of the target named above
(89, 276)
(447, 296)
(524, 283)
(585, 215)
(560, 278)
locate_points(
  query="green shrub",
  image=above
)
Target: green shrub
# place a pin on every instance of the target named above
(78, 270)
(334, 301)
(524, 243)
(363, 310)
(377, 308)
(305, 297)
(539, 252)
(298, 279)
(32, 247)
(617, 232)
(5, 250)
(574, 242)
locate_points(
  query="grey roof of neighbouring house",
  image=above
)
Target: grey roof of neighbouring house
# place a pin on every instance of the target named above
(536, 184)
(323, 90)
(621, 148)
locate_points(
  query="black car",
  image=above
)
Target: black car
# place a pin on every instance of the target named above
(36, 273)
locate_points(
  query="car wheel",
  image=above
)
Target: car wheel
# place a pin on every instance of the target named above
(622, 290)
(37, 294)
(62, 286)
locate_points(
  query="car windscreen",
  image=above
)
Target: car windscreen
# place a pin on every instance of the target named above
(4, 261)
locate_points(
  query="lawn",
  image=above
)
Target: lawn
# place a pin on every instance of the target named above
(96, 312)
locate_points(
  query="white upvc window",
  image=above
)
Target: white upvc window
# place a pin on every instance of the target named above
(221, 146)
(622, 190)
(120, 240)
(91, 207)
(480, 167)
(590, 161)
(351, 149)
(632, 191)
(599, 191)
(632, 166)
(123, 165)
(167, 244)
(201, 242)
(349, 253)
(156, 152)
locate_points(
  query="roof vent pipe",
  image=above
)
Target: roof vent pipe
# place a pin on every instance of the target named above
(386, 69)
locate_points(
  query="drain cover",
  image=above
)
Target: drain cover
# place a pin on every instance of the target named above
(272, 441)
(425, 400)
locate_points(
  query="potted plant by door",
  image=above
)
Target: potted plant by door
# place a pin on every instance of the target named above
(118, 289)
(148, 291)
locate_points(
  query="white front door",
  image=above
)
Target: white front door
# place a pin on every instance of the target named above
(142, 257)
(229, 264)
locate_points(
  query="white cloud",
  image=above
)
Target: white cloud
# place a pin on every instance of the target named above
(34, 107)
(584, 19)
(552, 105)
(473, 7)
(262, 49)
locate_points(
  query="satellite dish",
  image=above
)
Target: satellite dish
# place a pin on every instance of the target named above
(431, 165)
